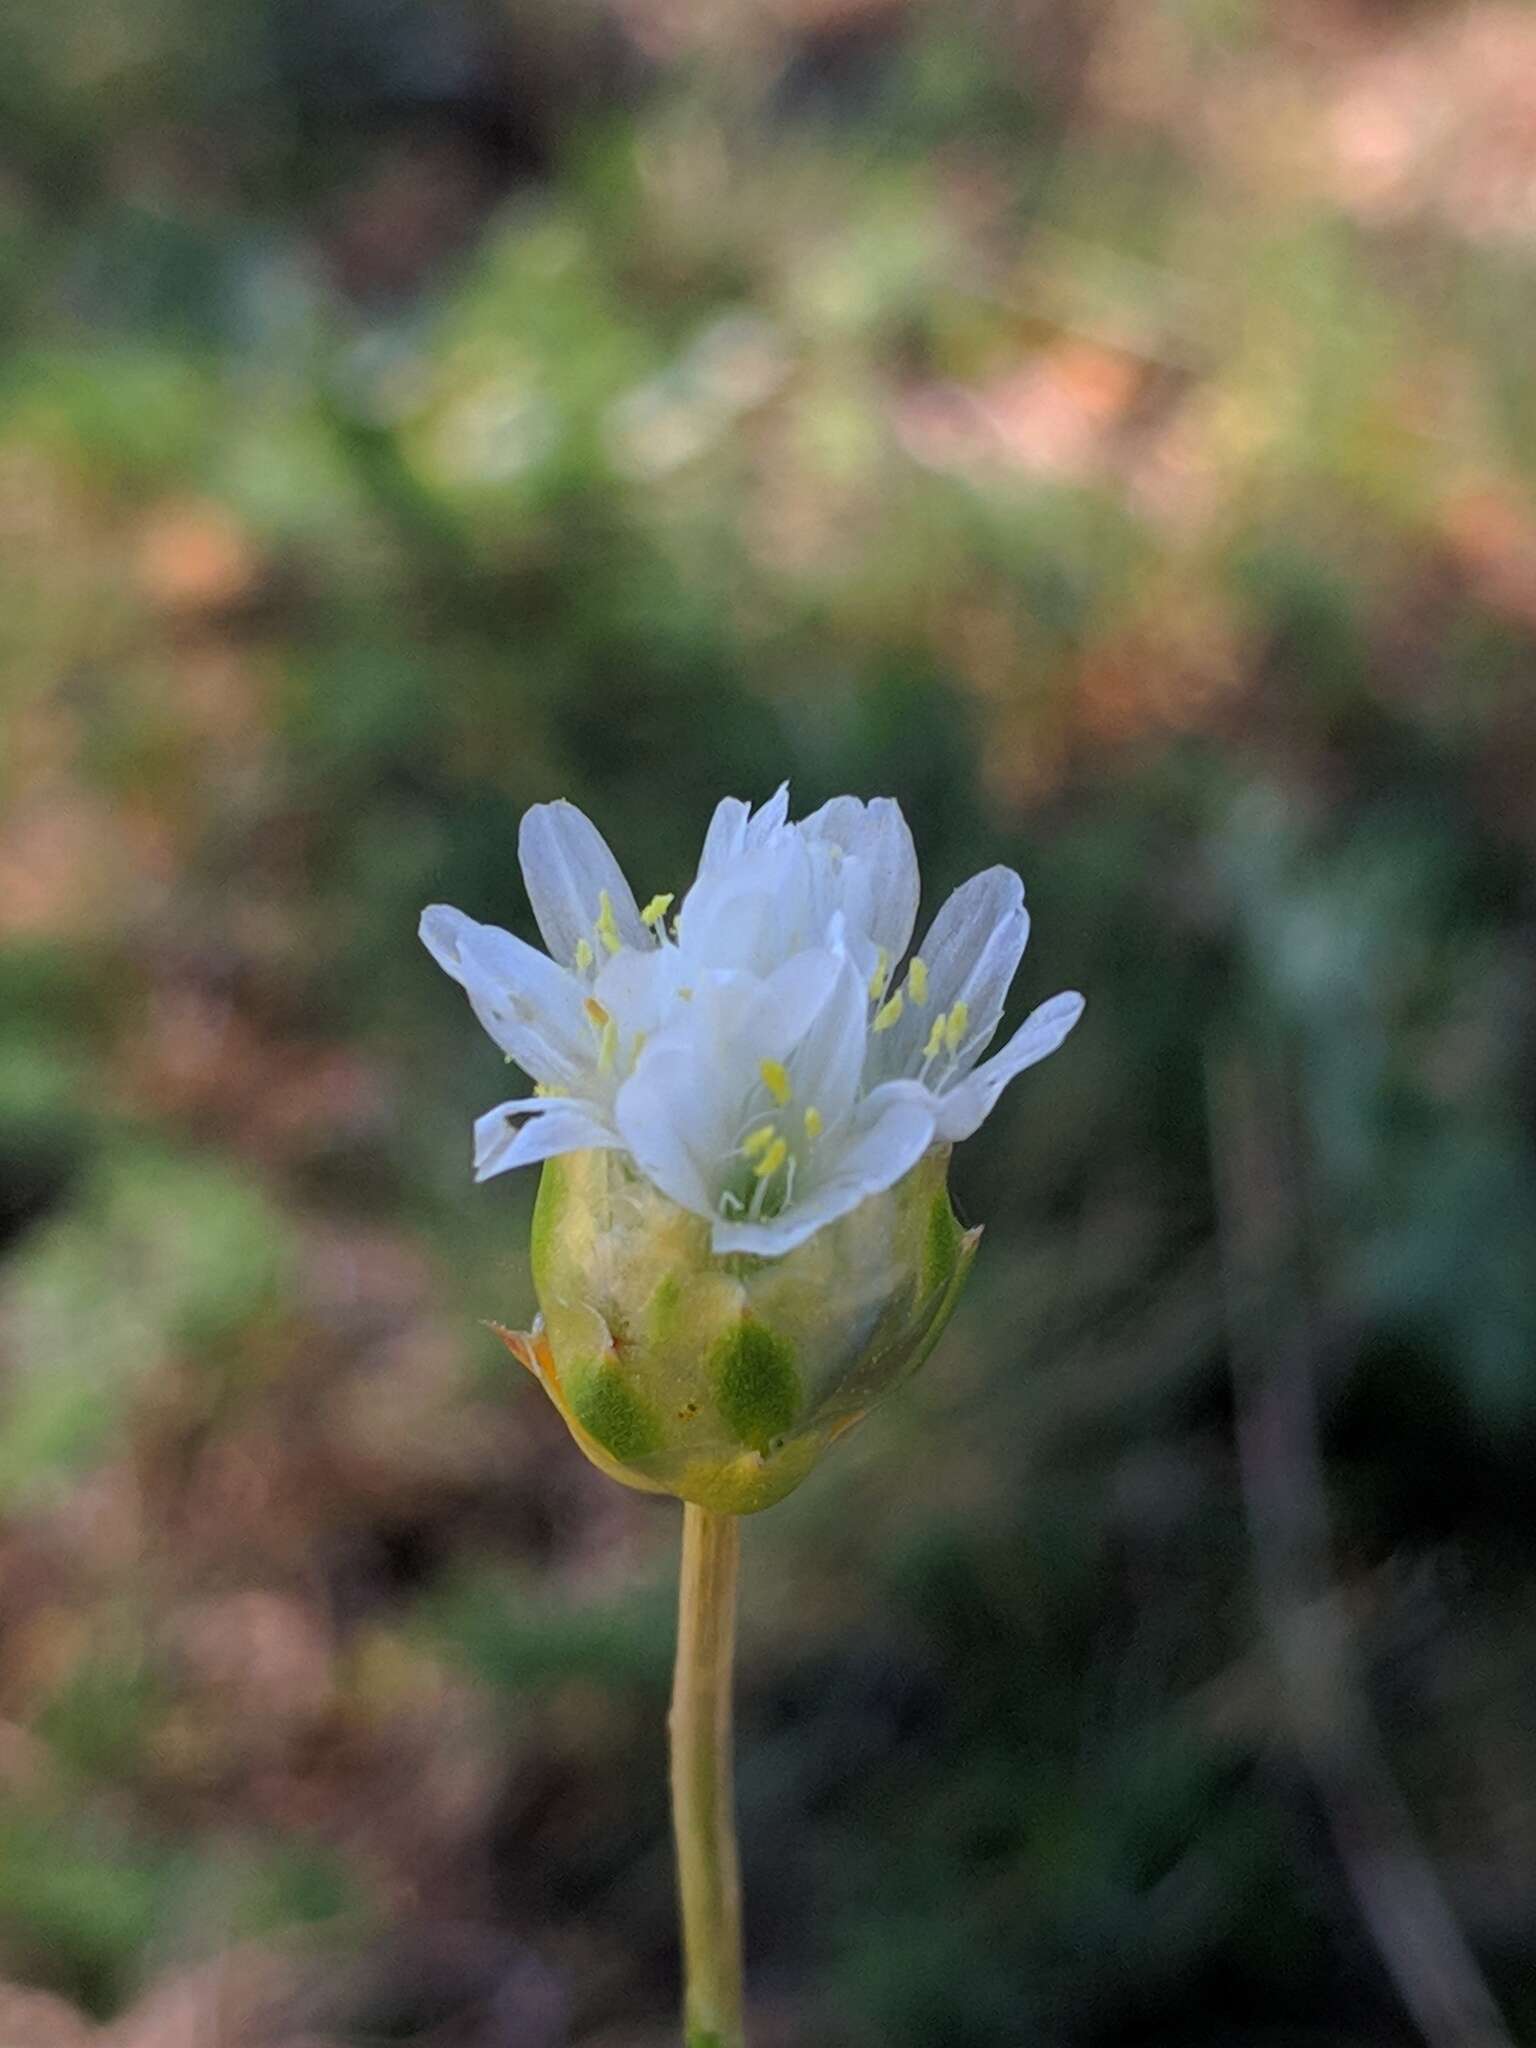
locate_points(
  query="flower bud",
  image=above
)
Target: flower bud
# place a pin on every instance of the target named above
(722, 1378)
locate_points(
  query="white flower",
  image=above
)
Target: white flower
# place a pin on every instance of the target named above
(759, 1055)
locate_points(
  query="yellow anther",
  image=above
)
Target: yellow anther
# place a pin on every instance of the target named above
(775, 1080)
(880, 976)
(607, 923)
(656, 910)
(596, 1014)
(955, 1025)
(609, 1047)
(935, 1043)
(813, 1123)
(584, 955)
(756, 1141)
(917, 980)
(772, 1159)
(887, 1013)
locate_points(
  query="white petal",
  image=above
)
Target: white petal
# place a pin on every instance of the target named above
(568, 868)
(972, 952)
(769, 818)
(974, 945)
(640, 990)
(669, 1118)
(795, 995)
(726, 835)
(440, 930)
(753, 911)
(840, 819)
(734, 1021)
(735, 829)
(889, 1133)
(520, 1133)
(530, 1007)
(875, 836)
(827, 1062)
(962, 1108)
(683, 1109)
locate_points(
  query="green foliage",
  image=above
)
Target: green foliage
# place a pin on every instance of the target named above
(163, 1263)
(521, 1641)
(82, 1907)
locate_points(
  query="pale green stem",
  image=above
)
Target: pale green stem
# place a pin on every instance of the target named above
(703, 1802)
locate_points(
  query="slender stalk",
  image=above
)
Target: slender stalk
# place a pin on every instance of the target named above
(703, 1802)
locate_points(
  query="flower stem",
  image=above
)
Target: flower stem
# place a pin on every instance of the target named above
(703, 1803)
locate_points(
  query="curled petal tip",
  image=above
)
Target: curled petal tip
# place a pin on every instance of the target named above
(435, 929)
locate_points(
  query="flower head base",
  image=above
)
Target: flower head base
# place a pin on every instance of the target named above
(722, 1380)
(745, 1108)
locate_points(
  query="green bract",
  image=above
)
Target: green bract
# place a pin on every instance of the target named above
(722, 1379)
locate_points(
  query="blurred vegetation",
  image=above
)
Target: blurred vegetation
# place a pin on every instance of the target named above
(1107, 427)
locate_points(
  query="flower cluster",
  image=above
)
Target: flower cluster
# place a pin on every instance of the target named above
(765, 1053)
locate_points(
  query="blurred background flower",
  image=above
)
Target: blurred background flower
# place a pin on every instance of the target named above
(1106, 425)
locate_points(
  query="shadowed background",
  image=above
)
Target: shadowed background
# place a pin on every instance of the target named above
(1107, 426)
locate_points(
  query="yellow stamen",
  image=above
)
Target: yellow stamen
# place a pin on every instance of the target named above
(656, 910)
(954, 1026)
(607, 923)
(878, 979)
(813, 1123)
(772, 1159)
(917, 980)
(583, 955)
(887, 1013)
(596, 1014)
(935, 1043)
(608, 1048)
(775, 1080)
(755, 1141)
